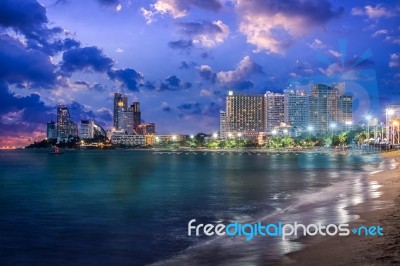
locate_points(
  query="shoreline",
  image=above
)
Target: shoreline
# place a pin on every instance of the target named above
(364, 250)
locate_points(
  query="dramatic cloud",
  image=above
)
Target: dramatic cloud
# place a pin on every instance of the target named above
(178, 8)
(80, 112)
(184, 65)
(128, 77)
(317, 44)
(237, 79)
(21, 65)
(87, 58)
(207, 73)
(165, 107)
(173, 83)
(205, 93)
(355, 63)
(380, 33)
(181, 44)
(28, 18)
(207, 34)
(104, 115)
(274, 25)
(198, 109)
(190, 108)
(244, 70)
(371, 12)
(394, 60)
(20, 115)
(25, 16)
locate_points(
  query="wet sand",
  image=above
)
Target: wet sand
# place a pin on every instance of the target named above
(362, 250)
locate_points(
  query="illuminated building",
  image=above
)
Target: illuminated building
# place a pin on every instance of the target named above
(148, 128)
(345, 112)
(65, 126)
(125, 120)
(245, 114)
(330, 109)
(297, 111)
(323, 107)
(51, 130)
(275, 111)
(222, 124)
(135, 107)
(86, 129)
(170, 138)
(393, 124)
(127, 139)
(120, 105)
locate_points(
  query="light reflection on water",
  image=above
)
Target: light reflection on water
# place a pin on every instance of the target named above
(132, 207)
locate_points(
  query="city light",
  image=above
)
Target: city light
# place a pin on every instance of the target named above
(239, 135)
(274, 132)
(174, 137)
(310, 128)
(215, 135)
(333, 125)
(389, 111)
(191, 136)
(230, 135)
(368, 118)
(349, 123)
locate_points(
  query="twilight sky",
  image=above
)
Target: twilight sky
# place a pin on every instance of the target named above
(179, 57)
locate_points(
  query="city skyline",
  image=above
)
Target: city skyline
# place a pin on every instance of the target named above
(179, 58)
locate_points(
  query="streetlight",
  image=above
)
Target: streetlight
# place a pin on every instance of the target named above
(274, 132)
(368, 118)
(389, 113)
(191, 136)
(215, 135)
(396, 124)
(348, 124)
(229, 135)
(333, 127)
(310, 129)
(285, 131)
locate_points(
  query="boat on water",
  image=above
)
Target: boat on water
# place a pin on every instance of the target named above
(56, 151)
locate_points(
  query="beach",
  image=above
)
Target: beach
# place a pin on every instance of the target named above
(362, 250)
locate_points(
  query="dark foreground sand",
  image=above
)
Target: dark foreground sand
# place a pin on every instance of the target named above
(364, 250)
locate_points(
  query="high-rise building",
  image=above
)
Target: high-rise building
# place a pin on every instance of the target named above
(51, 130)
(297, 111)
(222, 124)
(323, 108)
(86, 129)
(147, 128)
(125, 121)
(275, 110)
(245, 113)
(65, 126)
(120, 105)
(136, 114)
(345, 112)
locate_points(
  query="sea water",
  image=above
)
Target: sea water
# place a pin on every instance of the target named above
(129, 207)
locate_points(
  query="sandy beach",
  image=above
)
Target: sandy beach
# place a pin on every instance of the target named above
(365, 250)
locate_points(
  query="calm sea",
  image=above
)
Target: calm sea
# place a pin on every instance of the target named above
(126, 207)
